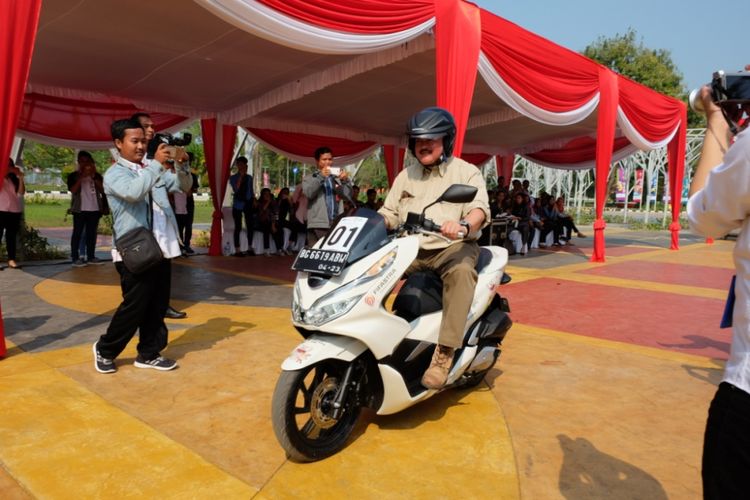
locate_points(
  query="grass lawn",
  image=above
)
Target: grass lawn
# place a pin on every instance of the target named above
(52, 213)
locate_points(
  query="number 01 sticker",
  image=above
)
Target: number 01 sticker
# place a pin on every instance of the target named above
(342, 236)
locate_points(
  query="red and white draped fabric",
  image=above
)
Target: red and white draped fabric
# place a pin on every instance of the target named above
(329, 26)
(553, 85)
(394, 161)
(18, 24)
(458, 39)
(83, 121)
(300, 147)
(504, 165)
(218, 145)
(477, 159)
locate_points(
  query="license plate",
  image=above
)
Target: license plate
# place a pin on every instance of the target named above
(320, 261)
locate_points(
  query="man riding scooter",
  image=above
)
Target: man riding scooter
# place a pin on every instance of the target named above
(452, 256)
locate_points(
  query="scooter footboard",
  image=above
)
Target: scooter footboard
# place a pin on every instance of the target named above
(321, 346)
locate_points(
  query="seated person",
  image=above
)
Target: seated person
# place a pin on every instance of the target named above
(432, 133)
(566, 221)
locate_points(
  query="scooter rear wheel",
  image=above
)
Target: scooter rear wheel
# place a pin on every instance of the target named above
(302, 412)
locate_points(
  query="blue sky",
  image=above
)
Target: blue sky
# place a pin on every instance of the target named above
(677, 26)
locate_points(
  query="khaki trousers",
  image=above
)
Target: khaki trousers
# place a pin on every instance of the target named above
(455, 266)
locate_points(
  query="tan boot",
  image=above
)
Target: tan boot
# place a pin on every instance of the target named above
(437, 374)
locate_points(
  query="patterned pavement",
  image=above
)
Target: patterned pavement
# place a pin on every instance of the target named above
(601, 392)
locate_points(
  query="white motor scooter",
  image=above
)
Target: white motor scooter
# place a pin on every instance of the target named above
(358, 354)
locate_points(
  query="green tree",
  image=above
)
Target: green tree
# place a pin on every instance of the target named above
(43, 156)
(654, 68)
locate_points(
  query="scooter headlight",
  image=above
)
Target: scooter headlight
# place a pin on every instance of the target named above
(317, 315)
(327, 308)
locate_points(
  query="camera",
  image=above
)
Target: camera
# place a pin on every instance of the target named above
(335, 171)
(168, 139)
(725, 88)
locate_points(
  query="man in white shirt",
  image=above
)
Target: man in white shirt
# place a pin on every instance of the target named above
(148, 127)
(720, 202)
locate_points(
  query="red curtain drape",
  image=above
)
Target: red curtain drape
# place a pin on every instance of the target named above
(357, 16)
(78, 120)
(306, 144)
(676, 159)
(605, 136)
(218, 145)
(475, 158)
(579, 150)
(504, 165)
(18, 24)
(458, 37)
(394, 161)
(547, 75)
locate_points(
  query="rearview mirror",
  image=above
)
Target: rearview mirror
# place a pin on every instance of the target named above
(459, 193)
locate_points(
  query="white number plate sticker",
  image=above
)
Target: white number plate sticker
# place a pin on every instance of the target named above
(342, 237)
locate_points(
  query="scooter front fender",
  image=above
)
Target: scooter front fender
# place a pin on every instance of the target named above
(322, 346)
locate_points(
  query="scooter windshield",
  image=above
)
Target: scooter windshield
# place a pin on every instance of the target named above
(371, 235)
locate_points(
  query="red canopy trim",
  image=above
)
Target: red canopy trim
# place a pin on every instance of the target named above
(357, 16)
(394, 161)
(302, 146)
(655, 117)
(218, 145)
(72, 122)
(477, 159)
(458, 38)
(326, 26)
(18, 24)
(546, 75)
(577, 154)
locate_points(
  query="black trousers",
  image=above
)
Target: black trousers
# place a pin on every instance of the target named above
(726, 445)
(145, 298)
(237, 216)
(89, 221)
(9, 224)
(182, 231)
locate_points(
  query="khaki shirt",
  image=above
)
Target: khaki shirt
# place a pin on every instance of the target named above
(416, 187)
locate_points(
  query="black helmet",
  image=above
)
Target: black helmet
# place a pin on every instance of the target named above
(431, 123)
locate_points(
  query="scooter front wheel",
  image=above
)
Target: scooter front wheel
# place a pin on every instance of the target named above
(303, 415)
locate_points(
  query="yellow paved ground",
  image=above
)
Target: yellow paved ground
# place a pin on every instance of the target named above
(562, 416)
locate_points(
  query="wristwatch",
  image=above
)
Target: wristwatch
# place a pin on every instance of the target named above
(466, 226)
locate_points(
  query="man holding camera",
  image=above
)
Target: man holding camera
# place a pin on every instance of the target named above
(720, 202)
(320, 189)
(148, 128)
(131, 188)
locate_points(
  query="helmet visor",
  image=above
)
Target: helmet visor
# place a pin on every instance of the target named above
(427, 136)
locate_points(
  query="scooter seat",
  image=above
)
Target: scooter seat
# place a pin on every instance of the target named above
(422, 293)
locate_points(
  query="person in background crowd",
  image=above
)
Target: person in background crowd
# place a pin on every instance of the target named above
(243, 204)
(159, 192)
(87, 204)
(299, 217)
(355, 197)
(320, 190)
(284, 206)
(566, 221)
(12, 190)
(521, 215)
(187, 233)
(372, 202)
(267, 216)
